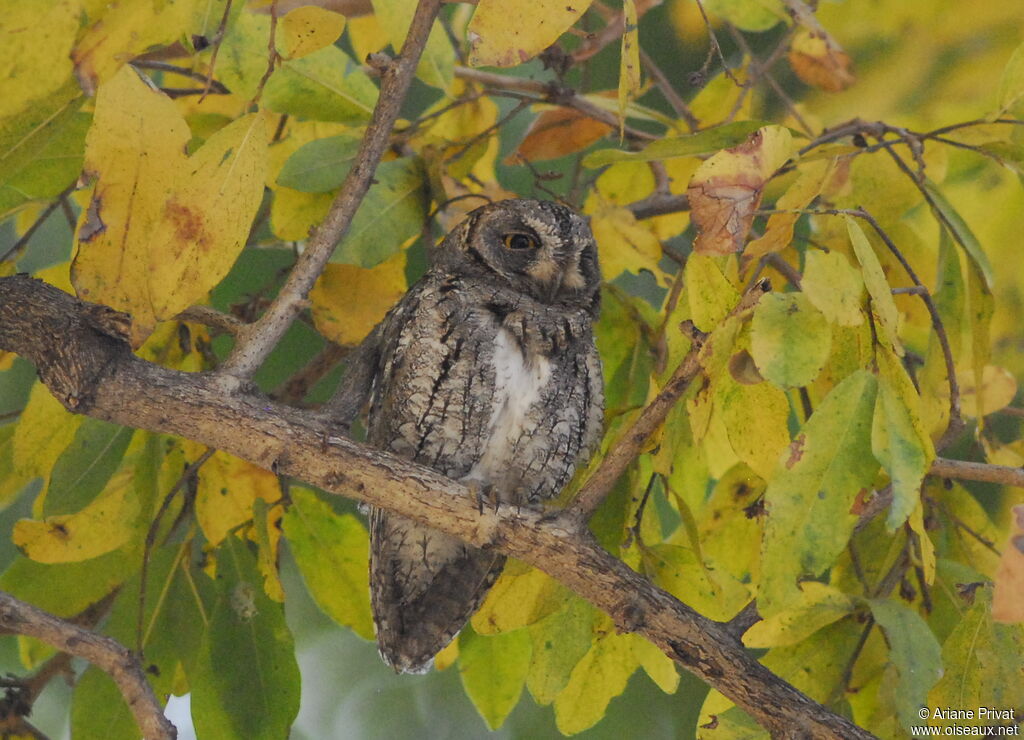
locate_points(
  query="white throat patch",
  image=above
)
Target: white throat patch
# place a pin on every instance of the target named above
(518, 383)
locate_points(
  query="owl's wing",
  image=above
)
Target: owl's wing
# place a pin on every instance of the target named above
(431, 404)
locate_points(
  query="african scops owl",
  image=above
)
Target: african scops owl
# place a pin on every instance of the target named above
(486, 371)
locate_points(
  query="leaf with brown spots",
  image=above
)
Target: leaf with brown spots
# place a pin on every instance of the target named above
(162, 228)
(726, 190)
(504, 33)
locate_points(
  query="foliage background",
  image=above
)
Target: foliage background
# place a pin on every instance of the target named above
(918, 65)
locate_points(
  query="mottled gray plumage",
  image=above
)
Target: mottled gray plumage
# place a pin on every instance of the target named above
(485, 371)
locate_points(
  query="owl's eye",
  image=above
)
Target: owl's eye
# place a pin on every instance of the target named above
(520, 241)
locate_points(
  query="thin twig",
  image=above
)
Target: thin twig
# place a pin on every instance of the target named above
(218, 38)
(211, 317)
(103, 652)
(295, 388)
(272, 56)
(209, 84)
(257, 340)
(982, 472)
(23, 240)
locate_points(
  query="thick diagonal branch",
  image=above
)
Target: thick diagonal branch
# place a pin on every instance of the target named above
(96, 374)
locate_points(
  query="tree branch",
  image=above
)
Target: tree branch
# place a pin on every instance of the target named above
(106, 654)
(95, 373)
(255, 341)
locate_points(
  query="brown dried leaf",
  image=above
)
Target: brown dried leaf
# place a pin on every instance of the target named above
(820, 62)
(556, 133)
(1008, 598)
(726, 189)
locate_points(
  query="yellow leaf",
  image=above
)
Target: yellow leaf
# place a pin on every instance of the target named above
(307, 29)
(726, 190)
(882, 304)
(819, 61)
(101, 527)
(755, 418)
(817, 606)
(518, 599)
(624, 244)
(44, 429)
(228, 487)
(926, 556)
(629, 61)
(779, 231)
(504, 33)
(162, 228)
(331, 552)
(1008, 597)
(447, 657)
(656, 664)
(597, 679)
(998, 388)
(206, 219)
(710, 294)
(36, 38)
(126, 29)
(348, 301)
(834, 287)
(266, 533)
(366, 36)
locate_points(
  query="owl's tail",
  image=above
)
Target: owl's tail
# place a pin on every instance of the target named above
(424, 585)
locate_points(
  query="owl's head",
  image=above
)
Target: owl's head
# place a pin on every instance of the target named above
(536, 247)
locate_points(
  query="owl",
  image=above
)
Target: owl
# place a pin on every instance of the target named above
(485, 371)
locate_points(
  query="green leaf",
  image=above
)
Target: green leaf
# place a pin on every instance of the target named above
(323, 86)
(68, 588)
(321, 165)
(98, 711)
(882, 304)
(598, 678)
(790, 339)
(493, 672)
(749, 15)
(962, 233)
(834, 287)
(559, 642)
(1010, 99)
(690, 145)
(625, 355)
(915, 653)
(392, 212)
(42, 148)
(828, 465)
(898, 439)
(332, 552)
(819, 605)
(85, 466)
(982, 661)
(245, 682)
